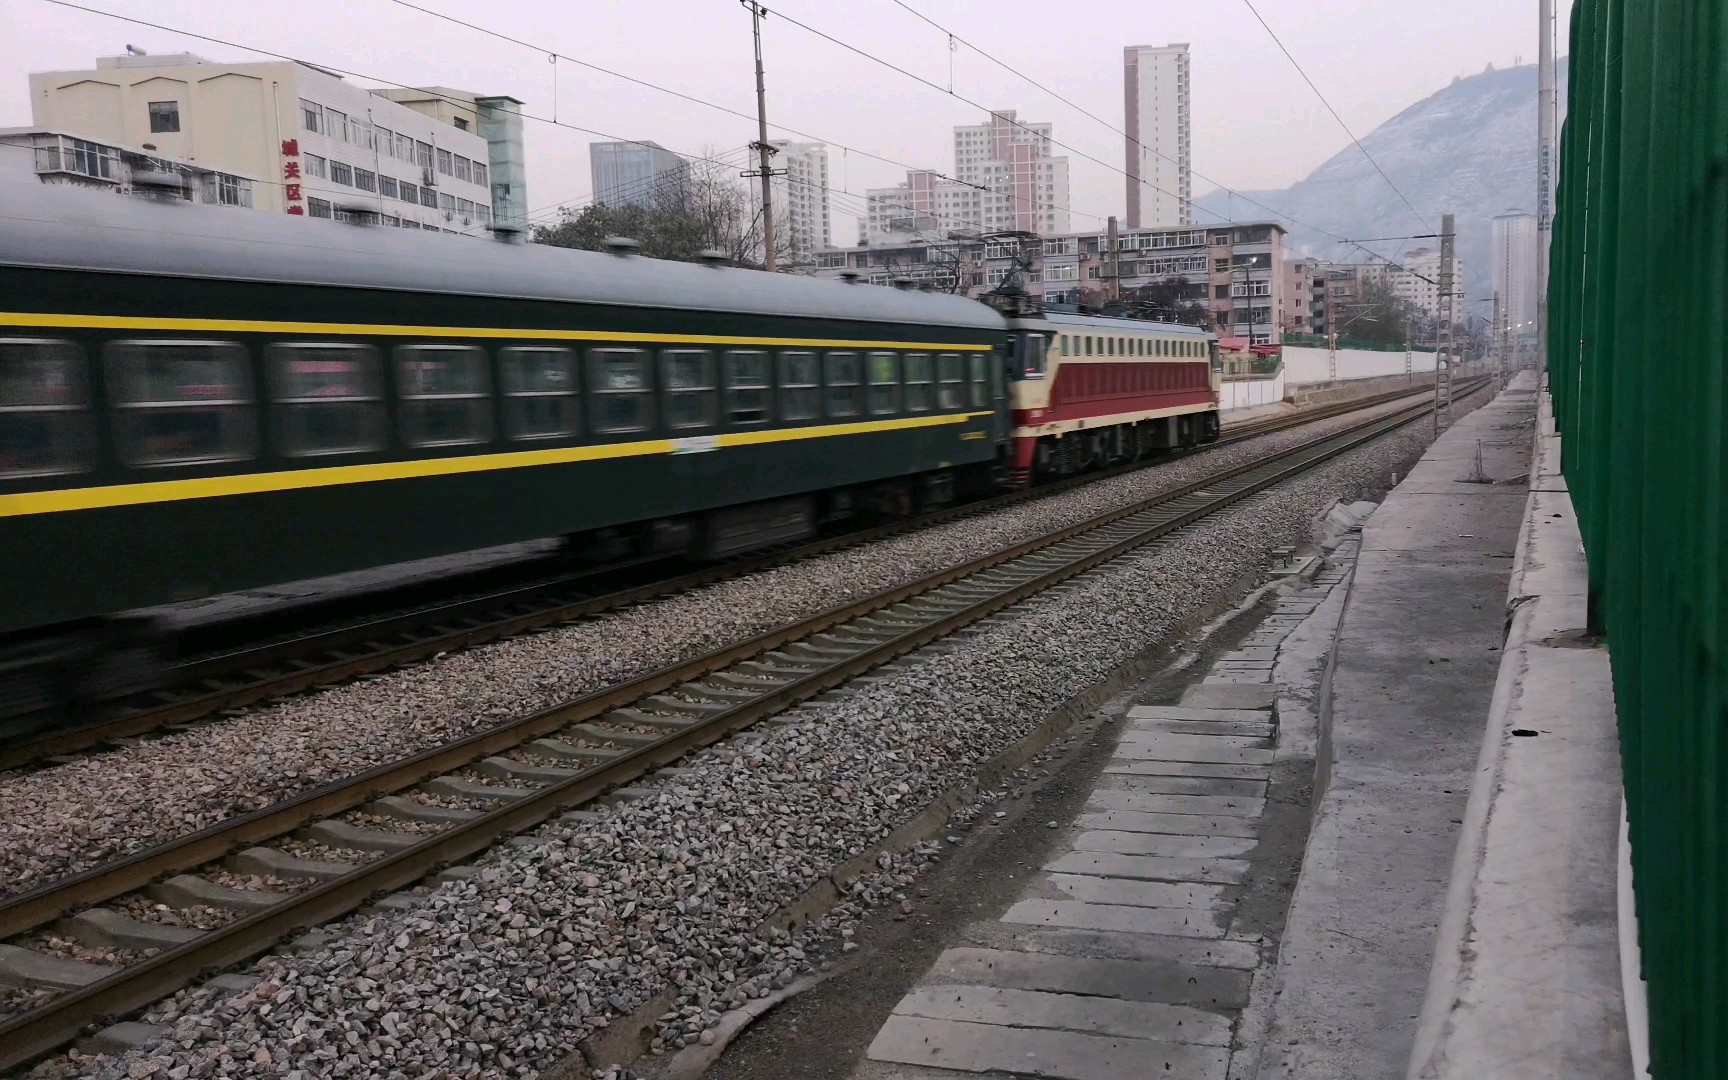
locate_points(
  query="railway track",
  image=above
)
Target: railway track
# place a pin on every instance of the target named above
(421, 815)
(211, 684)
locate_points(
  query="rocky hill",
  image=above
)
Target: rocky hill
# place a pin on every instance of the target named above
(1469, 149)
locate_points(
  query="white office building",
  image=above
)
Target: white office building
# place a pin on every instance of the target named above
(1515, 257)
(800, 191)
(318, 146)
(1159, 155)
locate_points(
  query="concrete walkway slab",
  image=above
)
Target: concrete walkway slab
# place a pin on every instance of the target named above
(1065, 1054)
(1151, 867)
(1182, 712)
(1109, 890)
(1185, 785)
(1067, 1012)
(1079, 915)
(1141, 967)
(1153, 767)
(1149, 802)
(1187, 824)
(1169, 846)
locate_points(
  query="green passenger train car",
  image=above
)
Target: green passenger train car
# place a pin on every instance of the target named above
(200, 400)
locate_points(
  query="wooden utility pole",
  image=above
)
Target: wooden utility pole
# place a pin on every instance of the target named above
(763, 150)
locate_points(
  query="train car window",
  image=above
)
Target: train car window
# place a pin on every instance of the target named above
(885, 383)
(843, 374)
(746, 386)
(1088, 344)
(44, 408)
(800, 386)
(687, 376)
(620, 393)
(1032, 360)
(539, 383)
(918, 379)
(1064, 346)
(977, 390)
(326, 397)
(445, 395)
(181, 402)
(951, 373)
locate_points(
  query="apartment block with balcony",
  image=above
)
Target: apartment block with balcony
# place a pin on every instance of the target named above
(800, 194)
(319, 146)
(1158, 148)
(59, 157)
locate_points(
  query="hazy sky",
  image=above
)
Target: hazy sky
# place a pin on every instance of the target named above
(1256, 124)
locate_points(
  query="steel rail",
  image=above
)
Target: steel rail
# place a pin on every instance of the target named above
(994, 582)
(323, 658)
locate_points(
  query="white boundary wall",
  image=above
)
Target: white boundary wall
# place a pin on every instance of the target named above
(1303, 364)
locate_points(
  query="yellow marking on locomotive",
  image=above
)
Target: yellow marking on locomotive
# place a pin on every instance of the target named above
(265, 326)
(157, 491)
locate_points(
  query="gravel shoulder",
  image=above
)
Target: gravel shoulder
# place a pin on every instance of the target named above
(506, 974)
(163, 788)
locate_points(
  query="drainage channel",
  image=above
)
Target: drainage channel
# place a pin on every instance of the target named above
(350, 843)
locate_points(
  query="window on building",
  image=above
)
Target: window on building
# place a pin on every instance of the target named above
(325, 398)
(181, 402)
(1220, 266)
(465, 207)
(423, 154)
(408, 192)
(445, 395)
(233, 191)
(387, 187)
(480, 174)
(747, 392)
(446, 163)
(316, 166)
(316, 207)
(429, 197)
(464, 169)
(164, 116)
(799, 386)
(44, 408)
(687, 379)
(365, 180)
(311, 116)
(539, 391)
(336, 125)
(619, 389)
(461, 123)
(341, 174)
(360, 133)
(386, 140)
(844, 377)
(884, 383)
(446, 202)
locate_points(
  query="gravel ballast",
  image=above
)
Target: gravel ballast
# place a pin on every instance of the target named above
(505, 973)
(156, 790)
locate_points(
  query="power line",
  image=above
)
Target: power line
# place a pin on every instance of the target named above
(1334, 112)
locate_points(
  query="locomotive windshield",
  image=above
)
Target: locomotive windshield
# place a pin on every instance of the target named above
(1027, 354)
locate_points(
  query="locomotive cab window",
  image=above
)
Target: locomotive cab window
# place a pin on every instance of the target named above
(918, 378)
(687, 375)
(326, 398)
(746, 386)
(843, 374)
(181, 402)
(44, 408)
(539, 383)
(885, 384)
(619, 388)
(800, 386)
(1029, 355)
(445, 394)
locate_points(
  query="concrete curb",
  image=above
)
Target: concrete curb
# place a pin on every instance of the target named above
(1525, 979)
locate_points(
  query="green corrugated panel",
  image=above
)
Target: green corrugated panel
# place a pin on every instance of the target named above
(1638, 333)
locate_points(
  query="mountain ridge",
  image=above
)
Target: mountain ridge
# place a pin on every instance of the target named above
(1483, 124)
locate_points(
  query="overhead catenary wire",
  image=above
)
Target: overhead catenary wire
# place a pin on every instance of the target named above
(1297, 65)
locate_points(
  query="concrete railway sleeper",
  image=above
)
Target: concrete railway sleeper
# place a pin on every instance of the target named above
(424, 814)
(327, 656)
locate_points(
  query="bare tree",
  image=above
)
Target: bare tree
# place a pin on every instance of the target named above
(701, 207)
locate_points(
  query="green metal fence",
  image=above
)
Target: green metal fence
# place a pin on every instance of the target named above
(1638, 303)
